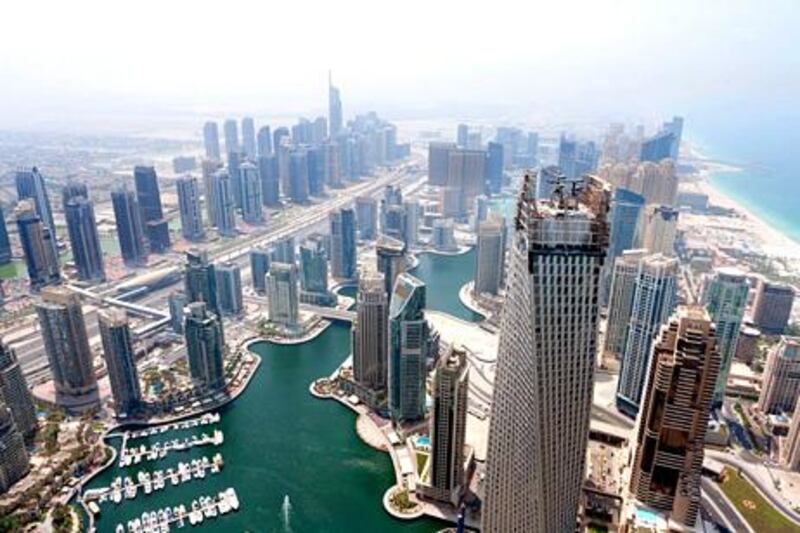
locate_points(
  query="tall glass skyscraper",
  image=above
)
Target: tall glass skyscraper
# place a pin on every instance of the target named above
(249, 137)
(391, 259)
(14, 460)
(205, 347)
(545, 362)
(5, 244)
(229, 288)
(298, 177)
(130, 230)
(189, 207)
(259, 266)
(200, 281)
(369, 332)
(120, 358)
(14, 392)
(211, 140)
(314, 272)
(149, 196)
(270, 182)
(410, 346)
(264, 141)
(67, 346)
(494, 167)
(367, 211)
(343, 244)
(82, 228)
(37, 246)
(251, 194)
(31, 186)
(224, 204)
(334, 108)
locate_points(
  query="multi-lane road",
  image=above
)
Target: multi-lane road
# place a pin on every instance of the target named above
(299, 221)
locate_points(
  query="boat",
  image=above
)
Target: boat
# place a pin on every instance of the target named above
(223, 504)
(94, 508)
(232, 498)
(120, 528)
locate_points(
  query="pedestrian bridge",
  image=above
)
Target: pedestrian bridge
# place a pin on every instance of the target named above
(330, 313)
(133, 308)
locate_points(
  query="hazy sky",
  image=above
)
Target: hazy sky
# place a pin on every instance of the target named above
(604, 57)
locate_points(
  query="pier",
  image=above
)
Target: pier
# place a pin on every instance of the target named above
(135, 455)
(202, 508)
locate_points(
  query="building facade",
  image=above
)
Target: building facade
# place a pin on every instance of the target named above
(369, 332)
(781, 380)
(204, 346)
(284, 300)
(130, 230)
(14, 393)
(120, 356)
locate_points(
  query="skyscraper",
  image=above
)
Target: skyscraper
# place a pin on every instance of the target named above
(725, 298)
(264, 141)
(659, 146)
(73, 189)
(462, 135)
(411, 215)
(200, 280)
(546, 357)
(448, 427)
(204, 346)
(391, 254)
(315, 163)
(36, 241)
(624, 273)
(343, 244)
(14, 392)
(231, 136)
(5, 243)
(67, 346)
(660, 226)
(189, 206)
(773, 307)
(270, 182)
(282, 294)
(465, 181)
(149, 197)
(369, 332)
(259, 266)
(367, 215)
(671, 429)
(211, 140)
(84, 240)
(781, 380)
(626, 209)
(545, 181)
(251, 194)
(283, 250)
(334, 108)
(229, 288)
(490, 259)
(655, 296)
(31, 186)
(209, 168)
(130, 230)
(13, 455)
(314, 273)
(439, 162)
(224, 204)
(298, 177)
(249, 137)
(675, 127)
(494, 167)
(120, 357)
(577, 158)
(177, 300)
(235, 172)
(410, 345)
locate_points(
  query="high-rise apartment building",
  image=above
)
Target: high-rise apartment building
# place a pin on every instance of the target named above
(546, 358)
(211, 140)
(391, 254)
(31, 186)
(251, 193)
(465, 181)
(369, 332)
(624, 274)
(314, 273)
(660, 225)
(335, 118)
(120, 356)
(725, 298)
(343, 244)
(494, 167)
(626, 209)
(37, 246)
(654, 298)
(14, 461)
(204, 346)
(83, 238)
(671, 429)
(410, 345)
(231, 131)
(367, 215)
(229, 288)
(490, 256)
(298, 176)
(270, 182)
(448, 427)
(67, 346)
(224, 204)
(781, 381)
(259, 266)
(149, 196)
(200, 280)
(264, 141)
(176, 301)
(14, 392)
(282, 294)
(772, 307)
(249, 137)
(439, 162)
(189, 207)
(130, 230)
(283, 250)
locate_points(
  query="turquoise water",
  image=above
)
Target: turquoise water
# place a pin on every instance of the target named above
(280, 441)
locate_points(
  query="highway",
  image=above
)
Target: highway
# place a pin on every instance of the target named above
(298, 221)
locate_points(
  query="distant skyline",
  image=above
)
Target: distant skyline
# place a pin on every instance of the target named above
(89, 60)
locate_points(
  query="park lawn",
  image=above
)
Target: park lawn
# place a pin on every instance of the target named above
(761, 516)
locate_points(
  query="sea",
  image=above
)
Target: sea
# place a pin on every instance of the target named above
(766, 145)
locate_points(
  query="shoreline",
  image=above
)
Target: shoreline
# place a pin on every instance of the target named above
(774, 241)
